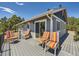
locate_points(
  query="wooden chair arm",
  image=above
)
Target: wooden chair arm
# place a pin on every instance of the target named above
(46, 41)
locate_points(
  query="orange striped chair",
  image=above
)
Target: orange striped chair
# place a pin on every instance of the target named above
(53, 43)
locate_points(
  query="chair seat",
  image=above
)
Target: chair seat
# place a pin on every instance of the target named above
(52, 44)
(14, 37)
(41, 40)
(26, 33)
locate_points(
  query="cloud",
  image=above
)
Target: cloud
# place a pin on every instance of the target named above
(19, 3)
(7, 10)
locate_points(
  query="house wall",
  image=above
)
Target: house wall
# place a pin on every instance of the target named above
(61, 25)
(40, 20)
(32, 30)
(31, 26)
(62, 29)
(54, 24)
(25, 27)
(63, 17)
(48, 25)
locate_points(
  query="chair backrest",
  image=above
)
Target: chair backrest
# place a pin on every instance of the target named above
(53, 37)
(5, 36)
(8, 34)
(27, 32)
(46, 35)
(16, 34)
(11, 33)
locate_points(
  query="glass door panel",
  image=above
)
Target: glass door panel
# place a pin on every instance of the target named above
(42, 28)
(37, 30)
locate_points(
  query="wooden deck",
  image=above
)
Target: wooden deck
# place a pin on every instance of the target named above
(70, 46)
(24, 48)
(30, 47)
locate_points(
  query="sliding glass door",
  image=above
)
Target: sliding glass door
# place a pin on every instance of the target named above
(39, 28)
(42, 28)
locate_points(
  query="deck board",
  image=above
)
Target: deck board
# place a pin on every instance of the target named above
(30, 47)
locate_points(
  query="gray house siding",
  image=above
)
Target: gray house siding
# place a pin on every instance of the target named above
(59, 27)
(54, 24)
(48, 25)
(62, 29)
(31, 26)
(32, 29)
(25, 27)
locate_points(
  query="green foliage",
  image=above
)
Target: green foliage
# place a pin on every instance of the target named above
(73, 25)
(8, 23)
(76, 37)
(4, 19)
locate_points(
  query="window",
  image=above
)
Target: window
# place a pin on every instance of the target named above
(60, 14)
(58, 26)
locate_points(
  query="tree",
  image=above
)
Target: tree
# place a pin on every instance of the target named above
(4, 19)
(13, 21)
(8, 23)
(73, 24)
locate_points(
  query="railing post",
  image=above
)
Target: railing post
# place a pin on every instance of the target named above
(1, 42)
(9, 49)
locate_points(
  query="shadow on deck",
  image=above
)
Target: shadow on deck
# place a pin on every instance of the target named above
(15, 42)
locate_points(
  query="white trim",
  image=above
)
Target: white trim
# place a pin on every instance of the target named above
(45, 25)
(34, 30)
(57, 20)
(51, 24)
(40, 20)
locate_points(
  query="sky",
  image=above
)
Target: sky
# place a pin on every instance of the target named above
(29, 9)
